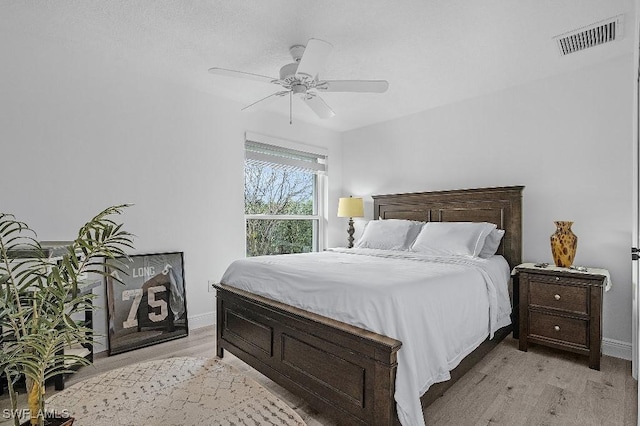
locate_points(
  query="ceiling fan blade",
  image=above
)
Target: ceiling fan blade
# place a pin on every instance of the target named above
(370, 86)
(240, 74)
(314, 57)
(282, 93)
(318, 106)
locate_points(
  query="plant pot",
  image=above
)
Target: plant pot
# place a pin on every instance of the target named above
(563, 244)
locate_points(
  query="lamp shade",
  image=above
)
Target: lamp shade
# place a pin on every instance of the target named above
(350, 207)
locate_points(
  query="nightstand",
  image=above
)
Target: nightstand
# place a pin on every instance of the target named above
(562, 308)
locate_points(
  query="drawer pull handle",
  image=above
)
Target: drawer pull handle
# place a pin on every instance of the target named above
(557, 297)
(557, 278)
(556, 328)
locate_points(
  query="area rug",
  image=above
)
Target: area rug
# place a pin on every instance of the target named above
(176, 391)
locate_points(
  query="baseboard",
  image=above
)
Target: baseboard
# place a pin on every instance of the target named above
(610, 347)
(202, 320)
(616, 348)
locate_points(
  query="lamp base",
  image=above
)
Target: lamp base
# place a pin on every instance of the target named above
(350, 231)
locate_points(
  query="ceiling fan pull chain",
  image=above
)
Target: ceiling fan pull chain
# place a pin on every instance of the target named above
(290, 108)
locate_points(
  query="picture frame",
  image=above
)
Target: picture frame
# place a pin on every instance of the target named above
(146, 300)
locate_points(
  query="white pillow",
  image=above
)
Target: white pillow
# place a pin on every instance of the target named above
(491, 243)
(452, 238)
(389, 234)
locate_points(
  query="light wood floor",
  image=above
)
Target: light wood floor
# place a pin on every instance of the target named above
(508, 387)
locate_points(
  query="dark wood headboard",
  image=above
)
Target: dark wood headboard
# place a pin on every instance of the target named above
(502, 206)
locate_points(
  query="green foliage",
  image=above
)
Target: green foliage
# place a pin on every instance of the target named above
(39, 296)
(272, 190)
(279, 236)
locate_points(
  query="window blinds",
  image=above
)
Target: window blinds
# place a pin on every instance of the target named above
(280, 157)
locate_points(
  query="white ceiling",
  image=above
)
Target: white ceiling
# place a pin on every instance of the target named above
(431, 52)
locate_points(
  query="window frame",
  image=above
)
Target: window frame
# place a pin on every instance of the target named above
(320, 192)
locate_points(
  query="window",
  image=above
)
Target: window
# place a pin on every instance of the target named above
(283, 196)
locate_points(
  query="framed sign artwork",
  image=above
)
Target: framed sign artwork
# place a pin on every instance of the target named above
(146, 301)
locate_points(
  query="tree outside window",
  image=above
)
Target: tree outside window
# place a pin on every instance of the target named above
(281, 204)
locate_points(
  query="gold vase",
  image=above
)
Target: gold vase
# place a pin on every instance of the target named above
(563, 244)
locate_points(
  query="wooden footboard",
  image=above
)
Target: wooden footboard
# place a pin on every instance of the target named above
(337, 368)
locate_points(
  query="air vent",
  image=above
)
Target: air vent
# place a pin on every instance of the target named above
(590, 36)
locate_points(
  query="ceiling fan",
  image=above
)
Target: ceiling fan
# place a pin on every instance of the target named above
(300, 78)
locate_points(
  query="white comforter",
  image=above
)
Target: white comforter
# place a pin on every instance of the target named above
(441, 308)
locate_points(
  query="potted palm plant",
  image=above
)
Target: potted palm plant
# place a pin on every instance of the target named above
(38, 298)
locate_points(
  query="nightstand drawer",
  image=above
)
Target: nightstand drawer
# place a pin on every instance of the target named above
(555, 327)
(559, 296)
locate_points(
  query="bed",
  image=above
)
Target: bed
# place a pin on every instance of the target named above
(345, 370)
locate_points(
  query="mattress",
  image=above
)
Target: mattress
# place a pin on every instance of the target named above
(441, 308)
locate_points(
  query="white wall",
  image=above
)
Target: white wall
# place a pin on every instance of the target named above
(79, 132)
(568, 139)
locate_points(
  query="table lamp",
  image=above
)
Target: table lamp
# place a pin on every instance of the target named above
(350, 207)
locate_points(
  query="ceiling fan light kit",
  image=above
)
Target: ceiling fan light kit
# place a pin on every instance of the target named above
(300, 78)
(299, 89)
